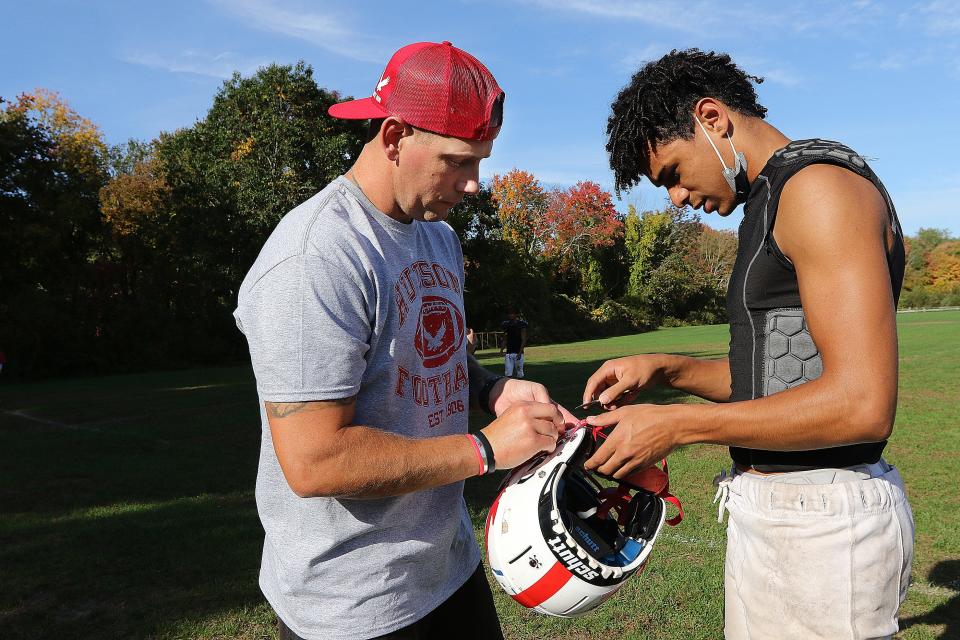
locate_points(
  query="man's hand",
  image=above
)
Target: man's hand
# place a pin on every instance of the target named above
(509, 391)
(643, 435)
(618, 382)
(523, 431)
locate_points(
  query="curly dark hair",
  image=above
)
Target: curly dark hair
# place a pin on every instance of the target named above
(657, 106)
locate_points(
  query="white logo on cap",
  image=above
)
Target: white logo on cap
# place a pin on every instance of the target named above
(380, 85)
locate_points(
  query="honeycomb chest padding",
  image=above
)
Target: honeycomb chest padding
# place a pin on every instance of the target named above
(790, 355)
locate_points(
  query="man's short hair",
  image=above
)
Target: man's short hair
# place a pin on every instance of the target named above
(657, 106)
(373, 130)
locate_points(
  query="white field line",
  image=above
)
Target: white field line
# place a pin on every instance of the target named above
(930, 309)
(93, 425)
(53, 423)
(713, 544)
(87, 426)
(934, 590)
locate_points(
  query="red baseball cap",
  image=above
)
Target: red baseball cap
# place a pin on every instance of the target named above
(436, 87)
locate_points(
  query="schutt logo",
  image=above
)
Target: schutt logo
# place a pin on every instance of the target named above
(439, 331)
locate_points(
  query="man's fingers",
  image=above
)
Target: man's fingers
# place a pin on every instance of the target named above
(604, 419)
(544, 410)
(546, 428)
(539, 393)
(613, 467)
(547, 443)
(568, 418)
(625, 468)
(613, 392)
(600, 456)
(596, 384)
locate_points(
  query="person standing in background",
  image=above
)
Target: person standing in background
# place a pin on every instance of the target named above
(514, 340)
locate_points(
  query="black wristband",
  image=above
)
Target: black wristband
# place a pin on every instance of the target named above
(487, 449)
(483, 398)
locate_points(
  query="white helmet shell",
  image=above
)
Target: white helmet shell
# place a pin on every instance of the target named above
(553, 546)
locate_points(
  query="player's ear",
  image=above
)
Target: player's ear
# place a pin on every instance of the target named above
(713, 114)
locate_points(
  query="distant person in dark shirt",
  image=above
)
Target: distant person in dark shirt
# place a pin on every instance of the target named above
(514, 340)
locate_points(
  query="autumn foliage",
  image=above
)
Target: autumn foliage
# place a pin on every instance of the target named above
(522, 206)
(578, 220)
(130, 256)
(561, 224)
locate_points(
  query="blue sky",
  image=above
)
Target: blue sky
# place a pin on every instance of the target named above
(882, 77)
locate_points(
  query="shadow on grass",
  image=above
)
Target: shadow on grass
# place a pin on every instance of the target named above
(151, 443)
(127, 571)
(945, 574)
(128, 504)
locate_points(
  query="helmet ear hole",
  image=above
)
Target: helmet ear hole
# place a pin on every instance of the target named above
(579, 495)
(643, 515)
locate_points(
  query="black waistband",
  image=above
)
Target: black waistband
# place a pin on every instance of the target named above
(832, 458)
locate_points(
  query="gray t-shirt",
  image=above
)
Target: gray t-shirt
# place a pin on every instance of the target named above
(344, 300)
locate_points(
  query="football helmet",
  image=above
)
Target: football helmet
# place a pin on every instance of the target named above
(552, 540)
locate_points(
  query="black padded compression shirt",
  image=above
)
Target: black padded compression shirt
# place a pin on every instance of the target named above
(771, 348)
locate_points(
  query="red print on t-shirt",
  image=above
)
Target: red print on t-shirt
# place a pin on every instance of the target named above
(439, 331)
(438, 337)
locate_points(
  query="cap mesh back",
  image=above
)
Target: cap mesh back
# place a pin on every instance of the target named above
(451, 93)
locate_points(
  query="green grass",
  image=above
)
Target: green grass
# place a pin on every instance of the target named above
(126, 502)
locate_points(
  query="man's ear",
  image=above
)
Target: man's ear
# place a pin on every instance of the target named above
(392, 132)
(713, 114)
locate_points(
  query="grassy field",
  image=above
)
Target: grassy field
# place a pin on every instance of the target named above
(126, 502)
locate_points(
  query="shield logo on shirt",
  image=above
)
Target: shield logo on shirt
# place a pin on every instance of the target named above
(439, 332)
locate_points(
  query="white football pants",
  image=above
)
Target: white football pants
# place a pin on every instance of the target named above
(513, 363)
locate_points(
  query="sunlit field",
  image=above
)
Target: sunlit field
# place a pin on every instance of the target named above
(126, 502)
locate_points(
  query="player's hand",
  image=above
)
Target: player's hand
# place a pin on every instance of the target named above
(643, 435)
(618, 382)
(510, 391)
(523, 431)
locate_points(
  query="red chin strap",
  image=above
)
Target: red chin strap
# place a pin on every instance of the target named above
(652, 479)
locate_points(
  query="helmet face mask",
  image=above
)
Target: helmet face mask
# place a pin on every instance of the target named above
(552, 540)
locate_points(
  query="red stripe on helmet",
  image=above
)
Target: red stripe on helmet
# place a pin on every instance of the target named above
(544, 588)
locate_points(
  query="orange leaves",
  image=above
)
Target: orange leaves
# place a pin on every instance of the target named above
(80, 144)
(522, 206)
(559, 224)
(580, 218)
(243, 149)
(943, 265)
(131, 200)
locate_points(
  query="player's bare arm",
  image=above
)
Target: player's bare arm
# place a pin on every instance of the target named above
(834, 228)
(322, 453)
(618, 382)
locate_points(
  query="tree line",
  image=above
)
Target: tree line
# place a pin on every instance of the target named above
(129, 257)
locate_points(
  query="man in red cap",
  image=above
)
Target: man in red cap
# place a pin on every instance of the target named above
(354, 316)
